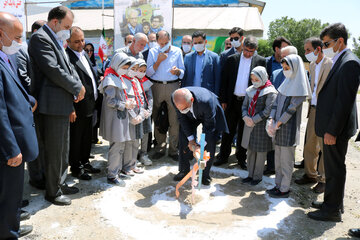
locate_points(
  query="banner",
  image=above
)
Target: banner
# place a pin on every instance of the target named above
(16, 8)
(146, 16)
(215, 44)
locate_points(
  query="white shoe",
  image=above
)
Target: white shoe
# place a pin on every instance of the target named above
(145, 160)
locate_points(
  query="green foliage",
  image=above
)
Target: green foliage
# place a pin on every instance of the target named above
(264, 48)
(356, 49)
(295, 31)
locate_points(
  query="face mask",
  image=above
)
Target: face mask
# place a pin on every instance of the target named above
(153, 44)
(13, 48)
(186, 48)
(311, 57)
(199, 47)
(63, 34)
(140, 75)
(131, 73)
(256, 84)
(288, 73)
(121, 71)
(185, 111)
(329, 52)
(235, 44)
(165, 48)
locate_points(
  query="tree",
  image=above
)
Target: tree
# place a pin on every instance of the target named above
(264, 48)
(295, 31)
(356, 50)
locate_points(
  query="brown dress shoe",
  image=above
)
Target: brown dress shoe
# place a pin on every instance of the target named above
(319, 188)
(305, 180)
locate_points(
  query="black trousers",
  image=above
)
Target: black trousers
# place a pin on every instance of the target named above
(11, 191)
(80, 143)
(185, 155)
(335, 169)
(234, 121)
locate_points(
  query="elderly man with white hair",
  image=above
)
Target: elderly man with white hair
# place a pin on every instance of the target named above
(137, 46)
(195, 106)
(278, 75)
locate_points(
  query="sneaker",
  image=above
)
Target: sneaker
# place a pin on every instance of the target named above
(279, 194)
(137, 170)
(123, 176)
(116, 181)
(145, 160)
(128, 173)
(274, 189)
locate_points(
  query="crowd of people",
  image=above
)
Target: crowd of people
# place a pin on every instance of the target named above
(55, 102)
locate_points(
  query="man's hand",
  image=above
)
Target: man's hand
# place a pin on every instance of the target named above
(224, 106)
(34, 107)
(329, 139)
(161, 57)
(175, 71)
(15, 161)
(81, 95)
(193, 146)
(72, 117)
(101, 78)
(278, 124)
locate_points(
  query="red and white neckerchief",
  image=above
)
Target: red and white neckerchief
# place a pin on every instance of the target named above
(136, 91)
(141, 81)
(108, 71)
(251, 110)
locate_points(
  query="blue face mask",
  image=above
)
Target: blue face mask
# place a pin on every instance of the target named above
(166, 47)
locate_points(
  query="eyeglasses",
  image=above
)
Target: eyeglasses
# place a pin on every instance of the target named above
(249, 51)
(235, 38)
(88, 50)
(326, 44)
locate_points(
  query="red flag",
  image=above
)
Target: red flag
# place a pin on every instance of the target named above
(102, 48)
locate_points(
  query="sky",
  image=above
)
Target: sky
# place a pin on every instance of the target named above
(331, 11)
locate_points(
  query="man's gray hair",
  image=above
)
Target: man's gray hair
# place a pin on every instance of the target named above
(251, 42)
(138, 36)
(183, 93)
(290, 50)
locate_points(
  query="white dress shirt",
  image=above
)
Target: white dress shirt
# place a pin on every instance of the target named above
(316, 80)
(84, 61)
(242, 81)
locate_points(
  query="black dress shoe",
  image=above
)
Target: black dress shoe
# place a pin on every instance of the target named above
(91, 156)
(81, 175)
(60, 200)
(242, 165)
(255, 182)
(299, 165)
(38, 185)
(179, 176)
(321, 215)
(174, 157)
(25, 203)
(67, 190)
(319, 188)
(269, 172)
(246, 180)
(24, 215)
(206, 181)
(318, 205)
(90, 169)
(279, 194)
(354, 232)
(25, 230)
(158, 155)
(220, 161)
(274, 189)
(305, 180)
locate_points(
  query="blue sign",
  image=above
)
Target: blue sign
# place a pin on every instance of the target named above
(91, 4)
(205, 2)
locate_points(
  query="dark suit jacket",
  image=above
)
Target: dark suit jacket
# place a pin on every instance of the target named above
(25, 73)
(54, 84)
(210, 71)
(225, 54)
(336, 112)
(146, 54)
(17, 126)
(207, 111)
(84, 108)
(230, 72)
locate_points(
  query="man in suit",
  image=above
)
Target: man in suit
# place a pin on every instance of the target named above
(194, 106)
(202, 67)
(336, 118)
(56, 87)
(236, 38)
(320, 67)
(81, 117)
(18, 138)
(235, 80)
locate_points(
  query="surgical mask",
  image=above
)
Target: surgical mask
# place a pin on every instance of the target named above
(185, 111)
(153, 44)
(63, 34)
(186, 48)
(329, 52)
(165, 48)
(235, 44)
(256, 84)
(131, 73)
(140, 75)
(199, 47)
(288, 73)
(13, 48)
(311, 57)
(121, 71)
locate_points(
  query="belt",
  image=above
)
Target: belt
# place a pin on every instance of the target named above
(165, 82)
(239, 98)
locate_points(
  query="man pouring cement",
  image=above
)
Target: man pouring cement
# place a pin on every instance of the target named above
(195, 106)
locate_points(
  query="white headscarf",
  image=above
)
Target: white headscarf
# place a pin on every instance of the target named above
(261, 74)
(298, 84)
(119, 60)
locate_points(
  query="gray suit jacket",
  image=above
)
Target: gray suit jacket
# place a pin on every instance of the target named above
(55, 82)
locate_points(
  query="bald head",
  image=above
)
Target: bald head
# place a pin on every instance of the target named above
(182, 98)
(7, 20)
(37, 25)
(10, 29)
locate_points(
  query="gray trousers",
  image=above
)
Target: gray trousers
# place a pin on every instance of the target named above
(255, 164)
(284, 165)
(115, 158)
(55, 132)
(144, 145)
(130, 154)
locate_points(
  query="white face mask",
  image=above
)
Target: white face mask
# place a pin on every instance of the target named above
(63, 34)
(186, 48)
(165, 48)
(13, 48)
(131, 73)
(153, 44)
(121, 71)
(311, 57)
(140, 75)
(235, 44)
(329, 52)
(288, 73)
(185, 111)
(199, 47)
(256, 84)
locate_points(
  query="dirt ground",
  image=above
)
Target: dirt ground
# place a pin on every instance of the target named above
(147, 208)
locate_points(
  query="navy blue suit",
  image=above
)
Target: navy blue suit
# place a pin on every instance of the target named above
(209, 113)
(18, 135)
(210, 76)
